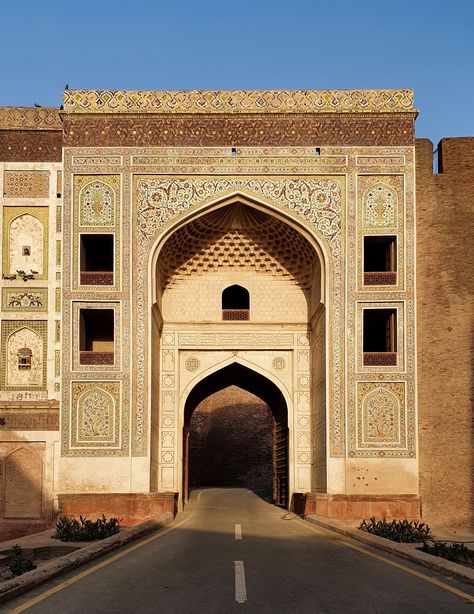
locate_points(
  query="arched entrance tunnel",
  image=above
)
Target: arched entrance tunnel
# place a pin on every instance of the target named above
(236, 434)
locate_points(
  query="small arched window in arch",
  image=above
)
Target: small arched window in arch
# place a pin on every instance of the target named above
(24, 358)
(235, 303)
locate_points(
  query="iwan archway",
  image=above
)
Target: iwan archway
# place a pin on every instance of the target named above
(271, 342)
(235, 374)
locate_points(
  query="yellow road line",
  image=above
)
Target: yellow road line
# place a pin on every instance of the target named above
(87, 572)
(408, 570)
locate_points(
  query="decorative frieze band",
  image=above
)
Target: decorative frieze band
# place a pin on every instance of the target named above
(238, 101)
(238, 130)
(224, 340)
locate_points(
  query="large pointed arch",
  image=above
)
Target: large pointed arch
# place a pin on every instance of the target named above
(166, 447)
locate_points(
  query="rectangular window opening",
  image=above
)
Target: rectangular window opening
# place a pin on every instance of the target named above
(96, 337)
(380, 261)
(380, 337)
(97, 260)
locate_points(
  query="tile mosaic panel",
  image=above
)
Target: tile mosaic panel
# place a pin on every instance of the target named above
(96, 415)
(17, 334)
(25, 299)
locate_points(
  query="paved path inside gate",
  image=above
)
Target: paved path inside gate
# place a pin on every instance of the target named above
(231, 551)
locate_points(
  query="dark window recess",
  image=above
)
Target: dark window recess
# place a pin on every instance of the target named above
(380, 261)
(97, 260)
(97, 337)
(380, 337)
(235, 303)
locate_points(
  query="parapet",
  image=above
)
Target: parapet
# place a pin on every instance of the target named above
(238, 101)
(455, 156)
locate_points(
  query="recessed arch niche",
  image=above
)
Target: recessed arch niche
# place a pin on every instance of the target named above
(281, 265)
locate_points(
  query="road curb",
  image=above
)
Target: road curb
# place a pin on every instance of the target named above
(31, 579)
(407, 551)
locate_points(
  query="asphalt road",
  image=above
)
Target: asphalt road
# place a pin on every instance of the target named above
(230, 551)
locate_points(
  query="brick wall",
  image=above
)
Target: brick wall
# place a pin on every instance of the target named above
(272, 299)
(445, 303)
(231, 441)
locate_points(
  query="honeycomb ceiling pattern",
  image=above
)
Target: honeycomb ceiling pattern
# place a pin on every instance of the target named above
(237, 237)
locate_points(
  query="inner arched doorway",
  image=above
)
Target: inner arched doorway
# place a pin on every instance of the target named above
(237, 375)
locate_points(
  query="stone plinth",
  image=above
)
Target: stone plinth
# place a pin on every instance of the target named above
(129, 508)
(358, 507)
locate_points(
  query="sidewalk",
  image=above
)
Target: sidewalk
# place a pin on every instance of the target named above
(407, 551)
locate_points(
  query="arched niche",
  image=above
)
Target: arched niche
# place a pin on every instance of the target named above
(23, 492)
(26, 245)
(235, 297)
(16, 375)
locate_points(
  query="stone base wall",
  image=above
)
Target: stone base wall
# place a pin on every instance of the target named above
(129, 508)
(11, 529)
(358, 507)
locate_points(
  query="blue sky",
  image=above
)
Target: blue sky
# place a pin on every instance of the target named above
(208, 44)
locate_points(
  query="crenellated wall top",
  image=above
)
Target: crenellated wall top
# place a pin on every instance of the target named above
(30, 118)
(239, 101)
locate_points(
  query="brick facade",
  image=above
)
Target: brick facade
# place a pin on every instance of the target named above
(445, 302)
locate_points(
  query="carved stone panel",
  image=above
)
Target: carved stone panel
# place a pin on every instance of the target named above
(383, 426)
(26, 184)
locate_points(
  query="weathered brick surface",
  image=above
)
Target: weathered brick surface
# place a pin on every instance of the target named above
(231, 441)
(11, 529)
(29, 418)
(445, 303)
(30, 145)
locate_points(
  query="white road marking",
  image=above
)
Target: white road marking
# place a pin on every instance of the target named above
(238, 531)
(240, 588)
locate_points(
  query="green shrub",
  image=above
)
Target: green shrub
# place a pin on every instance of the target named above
(456, 552)
(19, 564)
(398, 530)
(73, 530)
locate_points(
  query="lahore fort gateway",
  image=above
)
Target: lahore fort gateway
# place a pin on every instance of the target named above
(268, 289)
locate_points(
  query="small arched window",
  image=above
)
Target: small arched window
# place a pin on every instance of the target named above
(235, 303)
